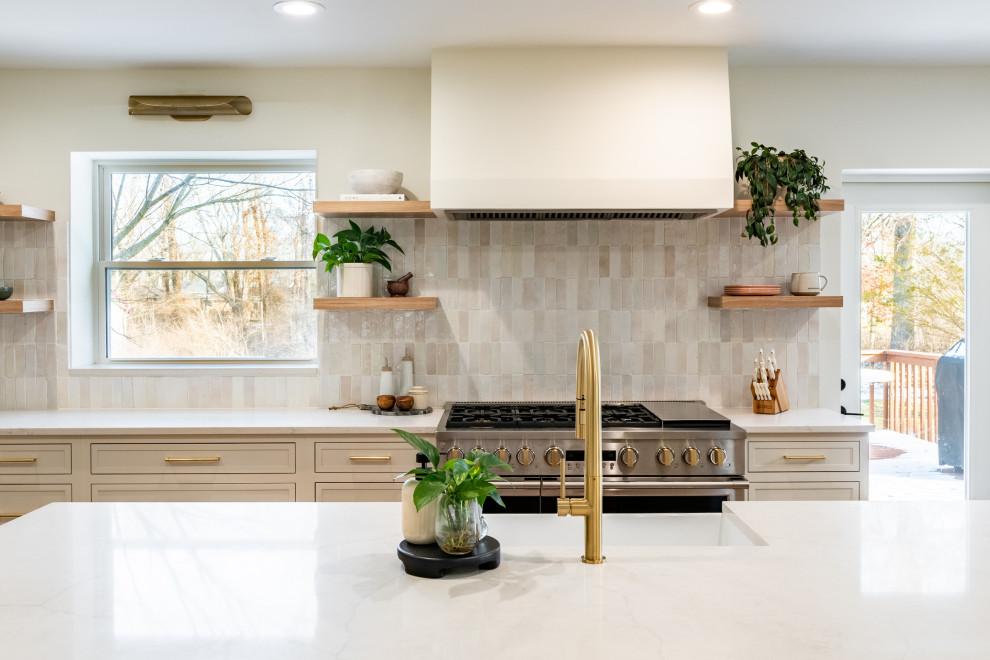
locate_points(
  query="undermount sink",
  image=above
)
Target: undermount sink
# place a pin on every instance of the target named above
(628, 529)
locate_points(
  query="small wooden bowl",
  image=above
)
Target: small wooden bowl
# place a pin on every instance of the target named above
(404, 402)
(397, 289)
(386, 401)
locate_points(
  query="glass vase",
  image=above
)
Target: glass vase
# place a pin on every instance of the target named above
(460, 525)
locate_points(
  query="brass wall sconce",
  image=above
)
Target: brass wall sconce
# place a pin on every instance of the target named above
(189, 107)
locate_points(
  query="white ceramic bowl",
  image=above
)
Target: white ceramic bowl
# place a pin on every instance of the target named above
(374, 182)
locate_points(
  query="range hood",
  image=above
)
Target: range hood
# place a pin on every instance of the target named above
(562, 133)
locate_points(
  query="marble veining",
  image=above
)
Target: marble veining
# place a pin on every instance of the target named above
(304, 581)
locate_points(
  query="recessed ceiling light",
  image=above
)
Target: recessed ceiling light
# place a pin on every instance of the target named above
(298, 7)
(714, 6)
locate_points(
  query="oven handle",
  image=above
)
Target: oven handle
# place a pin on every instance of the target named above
(736, 484)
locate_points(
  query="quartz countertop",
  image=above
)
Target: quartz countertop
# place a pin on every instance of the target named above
(174, 422)
(305, 581)
(797, 420)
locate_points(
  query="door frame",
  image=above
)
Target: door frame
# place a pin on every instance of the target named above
(976, 451)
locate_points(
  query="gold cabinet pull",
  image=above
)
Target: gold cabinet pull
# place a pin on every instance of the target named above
(12, 515)
(370, 458)
(18, 460)
(804, 458)
(210, 459)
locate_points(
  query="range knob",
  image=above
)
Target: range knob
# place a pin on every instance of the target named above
(665, 456)
(553, 456)
(628, 456)
(454, 452)
(717, 456)
(525, 456)
(503, 454)
(692, 456)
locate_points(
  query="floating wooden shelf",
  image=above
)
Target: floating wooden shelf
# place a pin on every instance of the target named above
(743, 205)
(21, 212)
(773, 302)
(332, 304)
(373, 209)
(26, 306)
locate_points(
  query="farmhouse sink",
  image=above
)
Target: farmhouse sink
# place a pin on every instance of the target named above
(630, 530)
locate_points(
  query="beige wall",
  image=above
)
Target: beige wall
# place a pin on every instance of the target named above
(867, 118)
(851, 117)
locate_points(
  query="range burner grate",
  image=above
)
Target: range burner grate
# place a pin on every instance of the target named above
(529, 415)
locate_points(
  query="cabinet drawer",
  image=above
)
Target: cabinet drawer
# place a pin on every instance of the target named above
(394, 458)
(279, 458)
(839, 491)
(359, 492)
(194, 492)
(15, 501)
(36, 459)
(838, 456)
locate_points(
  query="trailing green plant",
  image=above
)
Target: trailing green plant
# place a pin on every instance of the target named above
(355, 246)
(767, 170)
(463, 479)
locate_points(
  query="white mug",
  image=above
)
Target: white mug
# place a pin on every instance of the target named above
(808, 284)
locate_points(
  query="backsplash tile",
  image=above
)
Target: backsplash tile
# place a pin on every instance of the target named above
(514, 297)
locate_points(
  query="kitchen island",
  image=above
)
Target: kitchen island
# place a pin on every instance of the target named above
(315, 580)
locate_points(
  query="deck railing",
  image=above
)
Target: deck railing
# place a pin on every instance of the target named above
(908, 396)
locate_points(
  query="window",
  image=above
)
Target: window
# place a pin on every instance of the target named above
(206, 263)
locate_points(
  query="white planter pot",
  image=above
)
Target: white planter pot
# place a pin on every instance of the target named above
(354, 281)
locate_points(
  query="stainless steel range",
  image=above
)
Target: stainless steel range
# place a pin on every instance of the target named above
(657, 456)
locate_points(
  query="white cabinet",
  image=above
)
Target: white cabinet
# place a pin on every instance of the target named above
(807, 466)
(217, 467)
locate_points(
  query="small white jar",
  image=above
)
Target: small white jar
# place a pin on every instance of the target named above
(419, 395)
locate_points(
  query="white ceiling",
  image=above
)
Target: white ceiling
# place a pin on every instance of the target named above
(184, 33)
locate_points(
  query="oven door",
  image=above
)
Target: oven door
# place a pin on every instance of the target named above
(519, 495)
(624, 495)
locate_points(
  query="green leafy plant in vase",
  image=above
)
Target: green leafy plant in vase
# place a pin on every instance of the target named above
(352, 252)
(767, 170)
(462, 485)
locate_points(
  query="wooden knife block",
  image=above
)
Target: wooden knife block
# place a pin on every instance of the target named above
(778, 402)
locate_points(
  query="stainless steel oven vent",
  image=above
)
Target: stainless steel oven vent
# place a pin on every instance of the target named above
(588, 214)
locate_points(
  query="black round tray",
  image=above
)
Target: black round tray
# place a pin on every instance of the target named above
(429, 561)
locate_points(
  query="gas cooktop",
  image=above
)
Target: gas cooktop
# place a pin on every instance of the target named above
(560, 415)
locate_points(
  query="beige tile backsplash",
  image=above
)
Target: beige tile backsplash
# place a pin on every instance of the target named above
(514, 297)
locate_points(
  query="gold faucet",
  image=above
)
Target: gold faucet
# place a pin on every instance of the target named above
(588, 426)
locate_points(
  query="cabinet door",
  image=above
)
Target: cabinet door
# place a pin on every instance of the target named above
(233, 458)
(15, 501)
(784, 456)
(194, 492)
(35, 459)
(807, 490)
(382, 492)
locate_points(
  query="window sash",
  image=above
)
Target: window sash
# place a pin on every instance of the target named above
(104, 248)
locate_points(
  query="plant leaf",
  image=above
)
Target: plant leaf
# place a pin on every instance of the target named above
(421, 445)
(426, 491)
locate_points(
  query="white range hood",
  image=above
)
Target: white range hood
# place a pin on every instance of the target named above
(580, 132)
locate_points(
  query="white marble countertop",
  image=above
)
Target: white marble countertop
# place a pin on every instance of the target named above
(797, 420)
(305, 581)
(188, 422)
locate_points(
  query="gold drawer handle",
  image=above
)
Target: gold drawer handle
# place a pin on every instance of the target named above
(213, 459)
(370, 458)
(18, 460)
(12, 515)
(804, 458)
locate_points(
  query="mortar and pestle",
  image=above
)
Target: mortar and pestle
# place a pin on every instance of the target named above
(400, 287)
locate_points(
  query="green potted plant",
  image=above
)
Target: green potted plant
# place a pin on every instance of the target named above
(767, 170)
(353, 254)
(462, 485)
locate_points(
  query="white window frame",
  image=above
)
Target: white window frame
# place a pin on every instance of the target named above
(103, 170)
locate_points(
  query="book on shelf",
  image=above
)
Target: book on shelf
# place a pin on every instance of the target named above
(356, 197)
